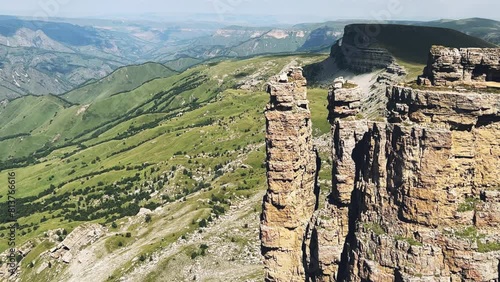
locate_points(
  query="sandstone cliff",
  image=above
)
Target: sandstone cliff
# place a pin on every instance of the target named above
(414, 191)
(452, 66)
(414, 198)
(291, 163)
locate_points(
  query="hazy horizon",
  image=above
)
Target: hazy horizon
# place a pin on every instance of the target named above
(257, 11)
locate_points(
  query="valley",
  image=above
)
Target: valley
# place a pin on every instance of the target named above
(183, 144)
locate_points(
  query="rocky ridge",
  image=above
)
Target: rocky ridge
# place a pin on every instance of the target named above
(80, 237)
(454, 66)
(414, 198)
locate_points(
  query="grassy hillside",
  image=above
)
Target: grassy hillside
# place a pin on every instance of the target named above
(191, 144)
(24, 114)
(183, 63)
(122, 80)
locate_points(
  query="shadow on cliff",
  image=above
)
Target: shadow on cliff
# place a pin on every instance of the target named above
(365, 156)
(311, 267)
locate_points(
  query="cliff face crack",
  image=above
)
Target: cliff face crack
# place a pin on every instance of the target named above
(414, 198)
(486, 120)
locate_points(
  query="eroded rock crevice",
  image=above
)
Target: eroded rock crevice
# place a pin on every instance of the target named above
(416, 200)
(414, 197)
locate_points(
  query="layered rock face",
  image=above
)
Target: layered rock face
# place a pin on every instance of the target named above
(356, 52)
(409, 199)
(452, 66)
(413, 192)
(291, 163)
(344, 99)
(414, 198)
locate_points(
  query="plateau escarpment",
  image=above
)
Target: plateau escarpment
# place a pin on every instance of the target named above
(366, 47)
(414, 198)
(358, 52)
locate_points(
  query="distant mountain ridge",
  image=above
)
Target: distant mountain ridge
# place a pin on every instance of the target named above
(39, 57)
(55, 57)
(63, 32)
(486, 29)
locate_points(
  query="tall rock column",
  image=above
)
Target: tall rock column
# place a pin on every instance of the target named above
(291, 172)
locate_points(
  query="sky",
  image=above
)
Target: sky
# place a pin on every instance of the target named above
(284, 11)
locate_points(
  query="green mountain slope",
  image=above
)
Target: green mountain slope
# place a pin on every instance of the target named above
(24, 114)
(122, 80)
(182, 63)
(80, 122)
(191, 144)
(75, 124)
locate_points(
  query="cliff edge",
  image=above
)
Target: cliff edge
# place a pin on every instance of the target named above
(415, 196)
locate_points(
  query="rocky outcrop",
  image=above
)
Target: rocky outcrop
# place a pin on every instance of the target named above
(344, 99)
(76, 240)
(414, 198)
(291, 170)
(413, 192)
(8, 259)
(453, 66)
